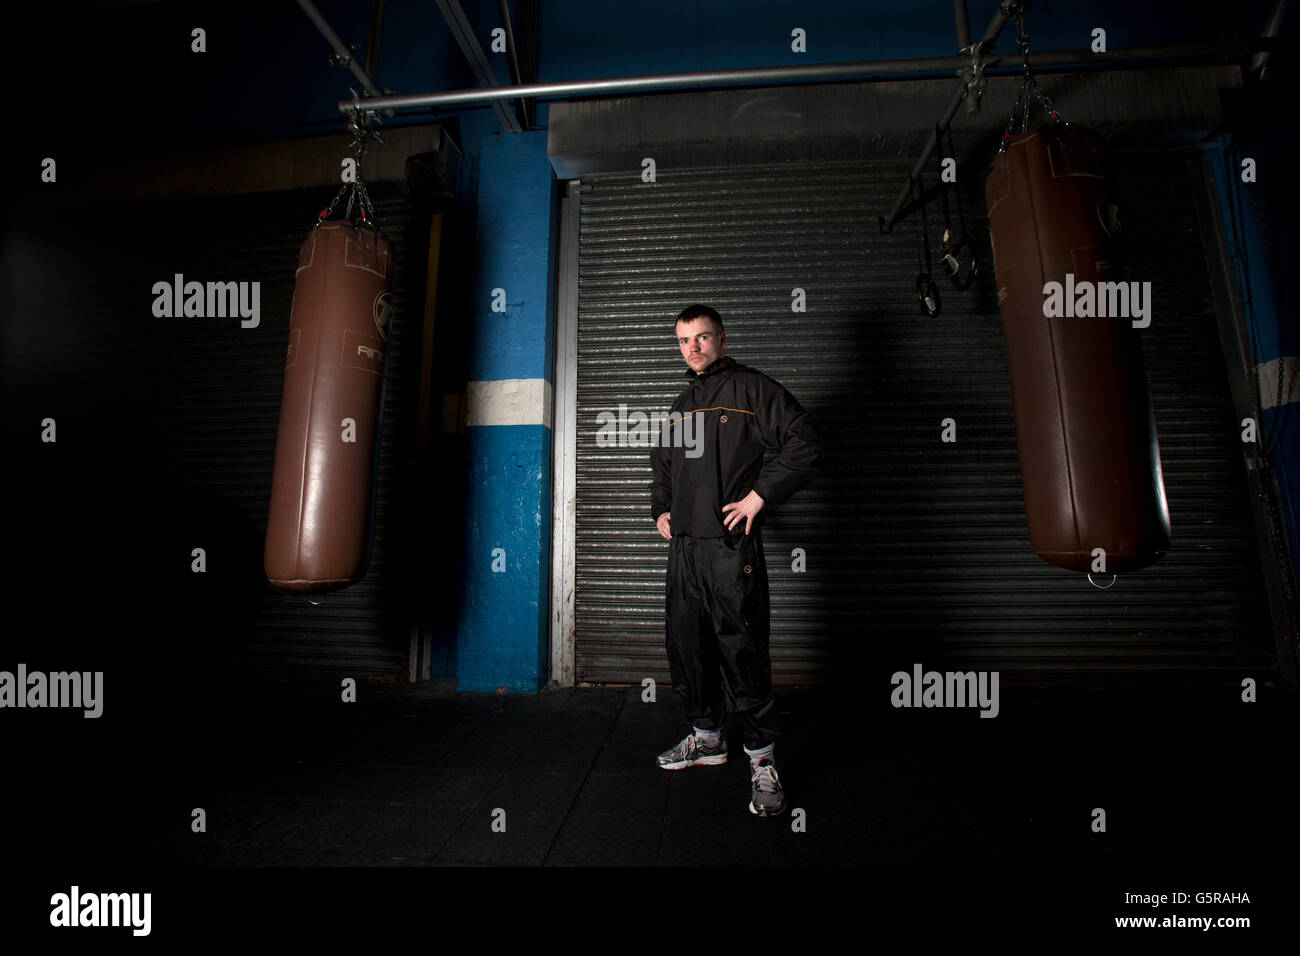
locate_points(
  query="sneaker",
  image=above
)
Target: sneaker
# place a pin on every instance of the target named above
(693, 752)
(767, 799)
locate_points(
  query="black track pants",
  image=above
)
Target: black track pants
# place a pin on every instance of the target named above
(718, 621)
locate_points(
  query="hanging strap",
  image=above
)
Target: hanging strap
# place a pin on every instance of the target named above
(943, 186)
(927, 293)
(920, 263)
(953, 245)
(952, 151)
(925, 227)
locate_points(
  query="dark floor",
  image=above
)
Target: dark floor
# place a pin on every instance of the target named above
(414, 776)
(950, 822)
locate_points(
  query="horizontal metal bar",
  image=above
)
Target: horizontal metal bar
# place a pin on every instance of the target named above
(1124, 56)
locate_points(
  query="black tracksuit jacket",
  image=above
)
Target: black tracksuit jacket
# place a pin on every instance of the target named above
(738, 412)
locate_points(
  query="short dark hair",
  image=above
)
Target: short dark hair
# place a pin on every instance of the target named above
(699, 311)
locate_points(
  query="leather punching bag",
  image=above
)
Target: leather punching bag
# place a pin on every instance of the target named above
(1085, 430)
(319, 529)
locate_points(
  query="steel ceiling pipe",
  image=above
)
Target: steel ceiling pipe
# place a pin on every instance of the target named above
(1123, 56)
(516, 77)
(1271, 28)
(963, 23)
(990, 36)
(503, 10)
(462, 31)
(658, 81)
(340, 48)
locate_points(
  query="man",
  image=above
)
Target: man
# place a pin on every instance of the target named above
(709, 490)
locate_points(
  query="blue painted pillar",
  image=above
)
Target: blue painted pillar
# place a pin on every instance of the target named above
(1270, 312)
(503, 640)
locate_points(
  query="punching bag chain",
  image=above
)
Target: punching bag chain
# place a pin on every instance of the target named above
(1028, 92)
(362, 132)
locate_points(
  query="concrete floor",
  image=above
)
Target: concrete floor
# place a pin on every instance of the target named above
(412, 776)
(322, 818)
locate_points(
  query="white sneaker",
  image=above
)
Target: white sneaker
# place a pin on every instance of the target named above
(694, 752)
(766, 799)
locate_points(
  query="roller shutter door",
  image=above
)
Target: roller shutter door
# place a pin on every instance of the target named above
(916, 550)
(177, 419)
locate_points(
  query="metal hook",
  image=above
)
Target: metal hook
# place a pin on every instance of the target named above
(927, 294)
(361, 125)
(974, 77)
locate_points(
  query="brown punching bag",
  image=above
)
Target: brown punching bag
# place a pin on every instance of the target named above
(318, 533)
(1084, 424)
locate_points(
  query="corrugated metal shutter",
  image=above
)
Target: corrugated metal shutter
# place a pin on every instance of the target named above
(197, 401)
(917, 550)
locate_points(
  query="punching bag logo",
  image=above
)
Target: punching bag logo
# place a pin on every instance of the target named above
(383, 313)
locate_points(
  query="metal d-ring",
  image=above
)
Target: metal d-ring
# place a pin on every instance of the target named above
(953, 267)
(1113, 579)
(927, 294)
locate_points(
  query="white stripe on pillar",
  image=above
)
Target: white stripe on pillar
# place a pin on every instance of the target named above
(1268, 381)
(511, 401)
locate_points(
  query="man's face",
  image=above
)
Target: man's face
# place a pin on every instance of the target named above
(701, 343)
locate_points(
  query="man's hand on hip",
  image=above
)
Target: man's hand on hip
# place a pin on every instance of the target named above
(662, 525)
(747, 508)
